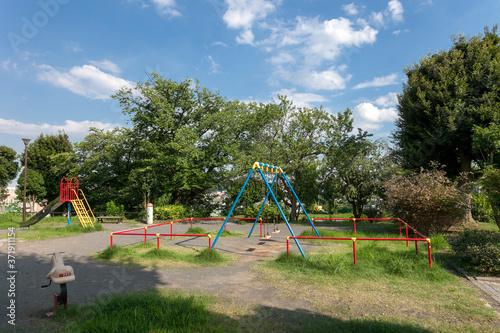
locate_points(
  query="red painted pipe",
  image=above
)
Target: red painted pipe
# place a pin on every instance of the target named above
(354, 249)
(209, 243)
(145, 237)
(372, 239)
(406, 225)
(354, 221)
(158, 241)
(415, 234)
(171, 229)
(429, 249)
(288, 247)
(111, 242)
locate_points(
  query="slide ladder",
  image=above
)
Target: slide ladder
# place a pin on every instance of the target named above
(82, 209)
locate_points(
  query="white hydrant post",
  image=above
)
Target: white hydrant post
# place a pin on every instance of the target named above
(149, 213)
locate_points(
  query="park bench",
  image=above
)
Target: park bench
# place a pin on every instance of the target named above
(115, 219)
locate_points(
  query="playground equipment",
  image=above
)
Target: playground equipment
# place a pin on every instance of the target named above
(278, 173)
(70, 193)
(61, 275)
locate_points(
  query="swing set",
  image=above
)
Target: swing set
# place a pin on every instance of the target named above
(279, 175)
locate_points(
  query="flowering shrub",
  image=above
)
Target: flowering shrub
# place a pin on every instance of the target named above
(427, 200)
(479, 247)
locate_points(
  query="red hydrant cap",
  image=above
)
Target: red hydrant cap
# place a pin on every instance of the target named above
(150, 204)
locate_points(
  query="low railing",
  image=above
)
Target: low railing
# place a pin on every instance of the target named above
(129, 232)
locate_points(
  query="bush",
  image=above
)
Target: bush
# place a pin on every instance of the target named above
(170, 212)
(491, 184)
(481, 209)
(479, 247)
(427, 200)
(269, 214)
(114, 209)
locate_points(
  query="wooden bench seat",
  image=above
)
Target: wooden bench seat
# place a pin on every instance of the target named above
(115, 219)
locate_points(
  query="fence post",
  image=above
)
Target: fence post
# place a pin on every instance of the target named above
(406, 225)
(429, 249)
(354, 249)
(416, 243)
(288, 247)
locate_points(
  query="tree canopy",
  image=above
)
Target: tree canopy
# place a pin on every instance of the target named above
(449, 110)
(52, 157)
(8, 166)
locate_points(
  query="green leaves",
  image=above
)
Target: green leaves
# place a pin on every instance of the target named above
(450, 106)
(8, 165)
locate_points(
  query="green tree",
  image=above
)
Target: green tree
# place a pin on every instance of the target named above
(295, 139)
(449, 110)
(52, 156)
(8, 166)
(186, 133)
(105, 161)
(35, 189)
(355, 171)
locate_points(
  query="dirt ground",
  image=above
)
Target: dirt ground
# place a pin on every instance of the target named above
(95, 279)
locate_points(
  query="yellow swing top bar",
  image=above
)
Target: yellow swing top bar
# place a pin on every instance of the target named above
(267, 167)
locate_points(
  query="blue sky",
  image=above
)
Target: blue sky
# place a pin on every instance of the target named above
(60, 60)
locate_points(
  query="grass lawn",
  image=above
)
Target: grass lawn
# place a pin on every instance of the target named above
(391, 286)
(148, 255)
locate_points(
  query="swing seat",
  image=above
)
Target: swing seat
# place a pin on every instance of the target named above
(266, 237)
(276, 231)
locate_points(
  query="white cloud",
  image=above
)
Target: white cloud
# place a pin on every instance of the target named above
(166, 7)
(395, 9)
(219, 44)
(391, 99)
(107, 65)
(282, 58)
(350, 9)
(86, 80)
(325, 80)
(325, 39)
(372, 115)
(301, 99)
(378, 82)
(78, 128)
(214, 67)
(242, 14)
(394, 12)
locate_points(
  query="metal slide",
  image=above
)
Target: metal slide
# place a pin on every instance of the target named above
(52, 206)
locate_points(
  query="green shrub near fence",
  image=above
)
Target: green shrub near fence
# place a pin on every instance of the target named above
(480, 248)
(170, 212)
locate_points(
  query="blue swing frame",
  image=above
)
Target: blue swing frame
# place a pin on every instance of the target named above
(260, 166)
